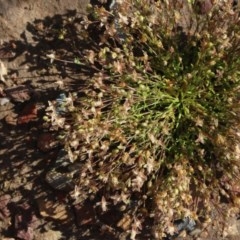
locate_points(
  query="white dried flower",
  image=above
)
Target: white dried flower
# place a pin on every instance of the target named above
(3, 71)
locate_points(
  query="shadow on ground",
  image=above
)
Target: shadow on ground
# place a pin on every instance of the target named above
(25, 196)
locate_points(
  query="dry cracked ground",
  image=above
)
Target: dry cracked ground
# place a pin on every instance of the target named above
(31, 207)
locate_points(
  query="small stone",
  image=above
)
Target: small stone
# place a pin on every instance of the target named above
(28, 114)
(59, 181)
(185, 224)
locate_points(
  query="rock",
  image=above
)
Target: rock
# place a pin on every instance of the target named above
(19, 94)
(61, 102)
(28, 114)
(60, 181)
(46, 142)
(186, 223)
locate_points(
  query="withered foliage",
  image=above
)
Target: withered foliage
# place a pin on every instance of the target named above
(156, 126)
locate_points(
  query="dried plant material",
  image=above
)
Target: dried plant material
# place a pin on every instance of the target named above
(6, 110)
(103, 204)
(3, 71)
(51, 56)
(26, 234)
(164, 89)
(4, 101)
(39, 26)
(52, 115)
(138, 180)
(53, 210)
(25, 221)
(125, 223)
(6, 50)
(4, 211)
(203, 6)
(11, 119)
(19, 93)
(60, 84)
(50, 235)
(231, 228)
